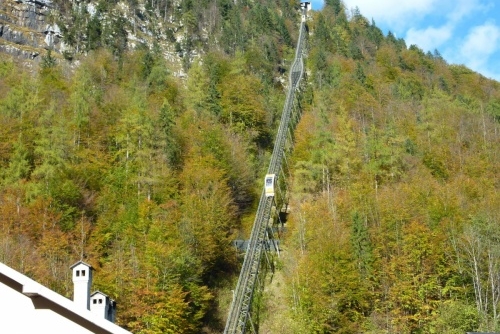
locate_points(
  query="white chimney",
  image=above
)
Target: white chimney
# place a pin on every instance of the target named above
(103, 306)
(82, 280)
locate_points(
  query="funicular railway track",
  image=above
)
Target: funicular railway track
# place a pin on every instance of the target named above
(239, 312)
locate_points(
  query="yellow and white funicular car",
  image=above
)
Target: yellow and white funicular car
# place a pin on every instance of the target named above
(269, 184)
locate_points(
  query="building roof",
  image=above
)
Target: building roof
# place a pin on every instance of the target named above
(81, 262)
(98, 292)
(44, 298)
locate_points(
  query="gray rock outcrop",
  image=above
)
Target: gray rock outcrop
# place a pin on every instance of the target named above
(24, 30)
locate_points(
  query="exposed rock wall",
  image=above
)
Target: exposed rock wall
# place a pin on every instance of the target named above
(24, 29)
(28, 30)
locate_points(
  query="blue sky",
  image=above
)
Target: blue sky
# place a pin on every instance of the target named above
(463, 31)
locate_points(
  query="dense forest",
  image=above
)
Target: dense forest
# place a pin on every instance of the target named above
(146, 176)
(395, 189)
(108, 156)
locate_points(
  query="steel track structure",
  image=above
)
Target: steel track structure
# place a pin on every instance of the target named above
(242, 296)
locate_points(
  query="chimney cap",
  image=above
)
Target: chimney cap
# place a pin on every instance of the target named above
(99, 292)
(81, 262)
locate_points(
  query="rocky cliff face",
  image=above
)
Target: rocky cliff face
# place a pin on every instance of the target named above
(179, 30)
(25, 29)
(29, 28)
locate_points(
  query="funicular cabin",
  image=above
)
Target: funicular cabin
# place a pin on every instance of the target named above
(269, 184)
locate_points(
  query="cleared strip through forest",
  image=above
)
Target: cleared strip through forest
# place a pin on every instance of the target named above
(242, 299)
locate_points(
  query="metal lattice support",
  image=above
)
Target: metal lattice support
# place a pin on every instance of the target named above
(239, 314)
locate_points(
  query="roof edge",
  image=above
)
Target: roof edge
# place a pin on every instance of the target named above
(35, 290)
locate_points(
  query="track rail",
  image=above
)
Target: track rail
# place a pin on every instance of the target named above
(242, 299)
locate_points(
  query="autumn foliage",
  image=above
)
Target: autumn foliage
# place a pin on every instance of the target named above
(149, 177)
(394, 202)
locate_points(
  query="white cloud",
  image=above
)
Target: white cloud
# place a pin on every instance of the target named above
(462, 8)
(481, 43)
(477, 50)
(400, 15)
(429, 38)
(395, 13)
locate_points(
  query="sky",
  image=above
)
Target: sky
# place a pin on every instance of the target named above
(463, 31)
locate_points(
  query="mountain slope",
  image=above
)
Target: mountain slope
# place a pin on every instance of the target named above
(395, 199)
(146, 155)
(147, 176)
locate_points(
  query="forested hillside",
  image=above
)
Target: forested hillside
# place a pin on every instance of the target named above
(108, 154)
(146, 176)
(395, 209)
